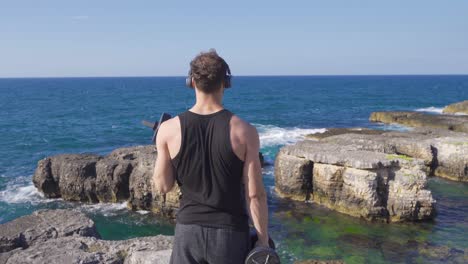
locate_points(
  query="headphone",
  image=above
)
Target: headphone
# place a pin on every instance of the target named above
(227, 78)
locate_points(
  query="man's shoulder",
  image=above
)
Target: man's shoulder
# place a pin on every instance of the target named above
(242, 127)
(169, 126)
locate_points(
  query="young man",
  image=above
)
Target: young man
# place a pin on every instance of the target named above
(213, 156)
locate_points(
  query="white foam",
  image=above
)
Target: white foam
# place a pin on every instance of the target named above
(431, 109)
(142, 212)
(274, 136)
(20, 193)
(106, 209)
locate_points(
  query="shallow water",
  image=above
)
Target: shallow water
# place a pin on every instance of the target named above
(42, 117)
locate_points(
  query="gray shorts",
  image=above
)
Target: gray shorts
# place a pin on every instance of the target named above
(198, 244)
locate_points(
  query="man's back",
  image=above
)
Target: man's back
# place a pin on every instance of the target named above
(240, 131)
(209, 173)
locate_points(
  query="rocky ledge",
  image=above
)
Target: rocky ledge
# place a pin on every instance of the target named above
(66, 236)
(458, 123)
(375, 175)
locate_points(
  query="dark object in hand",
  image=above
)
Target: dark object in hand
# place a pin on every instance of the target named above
(265, 255)
(155, 126)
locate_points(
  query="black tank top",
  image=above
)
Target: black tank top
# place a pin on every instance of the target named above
(209, 173)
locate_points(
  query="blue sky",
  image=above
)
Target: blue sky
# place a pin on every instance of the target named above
(158, 38)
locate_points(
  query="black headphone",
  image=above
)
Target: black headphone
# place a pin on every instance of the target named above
(227, 78)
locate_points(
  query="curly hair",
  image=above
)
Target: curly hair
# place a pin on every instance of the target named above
(208, 70)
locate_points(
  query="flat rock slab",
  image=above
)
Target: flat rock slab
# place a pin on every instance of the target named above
(43, 225)
(338, 131)
(91, 250)
(342, 155)
(458, 123)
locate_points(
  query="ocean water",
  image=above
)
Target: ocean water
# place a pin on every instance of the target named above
(48, 116)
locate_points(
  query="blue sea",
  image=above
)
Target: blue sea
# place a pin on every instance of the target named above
(40, 117)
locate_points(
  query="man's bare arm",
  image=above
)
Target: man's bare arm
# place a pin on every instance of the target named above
(163, 176)
(254, 190)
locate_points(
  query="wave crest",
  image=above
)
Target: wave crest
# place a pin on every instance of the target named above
(273, 136)
(431, 109)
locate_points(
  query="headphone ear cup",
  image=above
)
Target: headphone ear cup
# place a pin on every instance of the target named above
(188, 82)
(227, 81)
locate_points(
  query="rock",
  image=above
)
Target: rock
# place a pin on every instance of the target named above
(460, 107)
(66, 236)
(458, 123)
(319, 262)
(293, 177)
(444, 153)
(76, 249)
(43, 225)
(338, 131)
(123, 175)
(363, 175)
(149, 257)
(70, 176)
(451, 158)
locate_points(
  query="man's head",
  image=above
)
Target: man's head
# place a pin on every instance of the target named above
(209, 72)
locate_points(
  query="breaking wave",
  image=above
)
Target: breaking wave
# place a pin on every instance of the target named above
(273, 136)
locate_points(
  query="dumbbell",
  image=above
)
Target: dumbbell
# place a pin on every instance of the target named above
(261, 255)
(155, 126)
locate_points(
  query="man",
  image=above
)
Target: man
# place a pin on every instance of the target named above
(213, 156)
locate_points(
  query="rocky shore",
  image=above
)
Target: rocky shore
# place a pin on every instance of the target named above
(67, 236)
(371, 174)
(375, 174)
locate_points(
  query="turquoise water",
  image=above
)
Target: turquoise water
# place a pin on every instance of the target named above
(42, 117)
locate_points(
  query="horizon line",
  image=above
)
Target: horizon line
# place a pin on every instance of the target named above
(248, 75)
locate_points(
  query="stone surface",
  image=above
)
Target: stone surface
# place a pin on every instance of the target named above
(66, 236)
(374, 176)
(458, 123)
(293, 177)
(338, 131)
(445, 154)
(123, 175)
(43, 225)
(319, 262)
(460, 107)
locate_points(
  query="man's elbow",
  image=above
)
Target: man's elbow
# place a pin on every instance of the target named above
(261, 195)
(163, 188)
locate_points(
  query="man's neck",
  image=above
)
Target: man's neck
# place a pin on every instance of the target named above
(207, 103)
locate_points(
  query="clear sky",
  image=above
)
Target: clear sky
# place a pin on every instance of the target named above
(158, 38)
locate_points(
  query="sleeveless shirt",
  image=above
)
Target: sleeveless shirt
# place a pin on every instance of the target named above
(209, 173)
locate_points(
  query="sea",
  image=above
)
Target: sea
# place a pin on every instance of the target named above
(40, 117)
